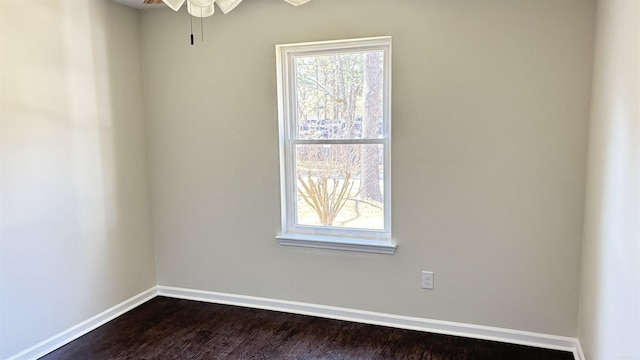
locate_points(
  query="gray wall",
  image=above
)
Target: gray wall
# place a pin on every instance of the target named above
(490, 117)
(609, 325)
(75, 233)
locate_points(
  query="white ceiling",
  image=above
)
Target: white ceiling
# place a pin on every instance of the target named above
(138, 4)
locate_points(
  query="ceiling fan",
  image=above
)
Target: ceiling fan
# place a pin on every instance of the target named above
(205, 8)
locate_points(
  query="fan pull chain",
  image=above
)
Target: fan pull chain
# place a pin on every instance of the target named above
(191, 23)
(201, 25)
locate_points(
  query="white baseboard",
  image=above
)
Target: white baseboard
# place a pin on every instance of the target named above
(368, 317)
(84, 327)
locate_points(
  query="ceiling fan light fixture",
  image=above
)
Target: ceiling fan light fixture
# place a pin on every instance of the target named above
(200, 11)
(297, 2)
(174, 4)
(201, 3)
(227, 5)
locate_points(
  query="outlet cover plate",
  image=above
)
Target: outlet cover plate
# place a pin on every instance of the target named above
(427, 279)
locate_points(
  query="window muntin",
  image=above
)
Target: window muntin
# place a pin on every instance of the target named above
(334, 118)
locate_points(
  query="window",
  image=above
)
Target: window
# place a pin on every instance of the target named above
(334, 104)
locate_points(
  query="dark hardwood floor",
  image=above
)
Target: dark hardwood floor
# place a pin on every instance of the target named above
(166, 328)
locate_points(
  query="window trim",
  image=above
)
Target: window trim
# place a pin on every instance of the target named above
(312, 236)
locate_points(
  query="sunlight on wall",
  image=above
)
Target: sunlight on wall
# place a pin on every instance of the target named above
(75, 219)
(86, 80)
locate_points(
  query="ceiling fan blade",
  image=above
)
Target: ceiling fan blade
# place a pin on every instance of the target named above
(152, 2)
(227, 5)
(174, 4)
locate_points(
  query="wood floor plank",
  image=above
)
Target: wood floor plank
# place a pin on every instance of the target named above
(166, 328)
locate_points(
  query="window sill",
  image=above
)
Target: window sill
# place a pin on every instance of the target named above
(370, 246)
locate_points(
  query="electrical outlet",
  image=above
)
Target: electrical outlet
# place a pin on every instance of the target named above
(427, 279)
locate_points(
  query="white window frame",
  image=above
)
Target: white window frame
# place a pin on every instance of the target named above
(376, 241)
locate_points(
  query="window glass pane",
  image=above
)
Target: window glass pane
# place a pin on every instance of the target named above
(340, 96)
(340, 186)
